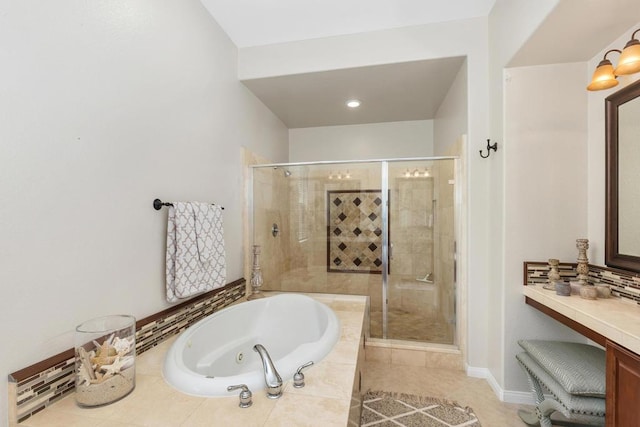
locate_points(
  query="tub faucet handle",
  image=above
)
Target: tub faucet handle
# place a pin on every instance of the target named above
(245, 394)
(298, 377)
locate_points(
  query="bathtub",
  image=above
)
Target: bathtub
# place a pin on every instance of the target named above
(217, 351)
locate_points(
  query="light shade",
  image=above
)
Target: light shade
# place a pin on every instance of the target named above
(603, 77)
(629, 62)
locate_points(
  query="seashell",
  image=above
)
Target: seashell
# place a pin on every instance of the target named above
(114, 368)
(122, 346)
(86, 368)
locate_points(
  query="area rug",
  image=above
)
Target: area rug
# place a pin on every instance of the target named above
(385, 409)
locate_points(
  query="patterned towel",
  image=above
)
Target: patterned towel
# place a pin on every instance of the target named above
(195, 250)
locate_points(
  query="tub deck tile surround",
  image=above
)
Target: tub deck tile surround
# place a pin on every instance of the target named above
(35, 387)
(324, 401)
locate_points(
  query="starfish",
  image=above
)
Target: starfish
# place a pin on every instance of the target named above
(115, 367)
(103, 356)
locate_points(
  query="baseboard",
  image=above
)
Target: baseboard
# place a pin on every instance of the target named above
(477, 372)
(519, 397)
(508, 396)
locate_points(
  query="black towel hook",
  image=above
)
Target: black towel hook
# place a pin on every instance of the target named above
(493, 147)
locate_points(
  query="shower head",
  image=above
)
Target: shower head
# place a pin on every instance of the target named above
(286, 172)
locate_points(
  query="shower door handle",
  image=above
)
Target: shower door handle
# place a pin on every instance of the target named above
(390, 250)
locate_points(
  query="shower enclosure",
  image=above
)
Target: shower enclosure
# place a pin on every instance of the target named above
(379, 228)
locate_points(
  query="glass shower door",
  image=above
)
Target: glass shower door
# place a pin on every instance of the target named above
(420, 291)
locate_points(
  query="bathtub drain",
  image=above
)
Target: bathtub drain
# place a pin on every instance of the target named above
(239, 357)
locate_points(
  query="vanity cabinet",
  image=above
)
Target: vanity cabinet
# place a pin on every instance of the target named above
(623, 386)
(607, 322)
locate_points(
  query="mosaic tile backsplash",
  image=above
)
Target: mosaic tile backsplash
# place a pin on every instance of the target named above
(623, 284)
(48, 383)
(354, 231)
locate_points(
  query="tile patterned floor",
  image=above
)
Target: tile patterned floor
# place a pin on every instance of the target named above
(441, 383)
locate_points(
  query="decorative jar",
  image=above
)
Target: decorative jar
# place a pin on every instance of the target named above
(105, 359)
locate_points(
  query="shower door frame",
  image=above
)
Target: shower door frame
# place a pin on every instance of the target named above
(384, 185)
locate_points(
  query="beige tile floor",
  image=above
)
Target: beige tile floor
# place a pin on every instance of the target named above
(443, 383)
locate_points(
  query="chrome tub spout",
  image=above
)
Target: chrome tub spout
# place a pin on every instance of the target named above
(271, 376)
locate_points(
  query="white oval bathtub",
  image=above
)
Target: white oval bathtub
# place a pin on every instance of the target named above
(217, 351)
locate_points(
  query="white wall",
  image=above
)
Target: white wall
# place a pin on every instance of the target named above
(105, 106)
(555, 125)
(456, 38)
(596, 150)
(412, 138)
(548, 110)
(511, 23)
(545, 191)
(452, 118)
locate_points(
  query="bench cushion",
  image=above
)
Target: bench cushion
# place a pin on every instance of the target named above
(573, 404)
(578, 368)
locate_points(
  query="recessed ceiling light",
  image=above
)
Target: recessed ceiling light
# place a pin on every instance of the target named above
(353, 103)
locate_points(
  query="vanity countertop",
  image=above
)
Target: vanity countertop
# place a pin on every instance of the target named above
(324, 401)
(615, 319)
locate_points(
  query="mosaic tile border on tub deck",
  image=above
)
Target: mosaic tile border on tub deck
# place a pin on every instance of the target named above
(51, 380)
(623, 284)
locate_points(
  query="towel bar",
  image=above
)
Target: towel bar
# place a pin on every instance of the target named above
(158, 204)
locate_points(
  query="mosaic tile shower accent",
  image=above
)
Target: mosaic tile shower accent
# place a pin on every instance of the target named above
(623, 284)
(354, 231)
(34, 388)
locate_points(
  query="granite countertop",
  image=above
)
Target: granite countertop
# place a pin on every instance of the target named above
(324, 401)
(614, 318)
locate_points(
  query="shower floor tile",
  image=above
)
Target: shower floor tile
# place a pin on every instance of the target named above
(404, 325)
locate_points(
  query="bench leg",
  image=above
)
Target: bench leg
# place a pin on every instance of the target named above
(544, 407)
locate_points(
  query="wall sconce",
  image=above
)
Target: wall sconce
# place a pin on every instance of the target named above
(605, 76)
(629, 62)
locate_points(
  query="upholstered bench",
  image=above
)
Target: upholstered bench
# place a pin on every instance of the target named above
(573, 374)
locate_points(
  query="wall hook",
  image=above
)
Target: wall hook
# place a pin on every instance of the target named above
(493, 147)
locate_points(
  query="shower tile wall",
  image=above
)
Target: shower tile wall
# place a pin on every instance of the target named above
(444, 235)
(411, 224)
(303, 267)
(271, 206)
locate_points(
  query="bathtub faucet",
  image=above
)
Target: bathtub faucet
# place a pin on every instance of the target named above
(271, 376)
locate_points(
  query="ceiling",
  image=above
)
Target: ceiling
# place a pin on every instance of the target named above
(574, 31)
(388, 93)
(260, 22)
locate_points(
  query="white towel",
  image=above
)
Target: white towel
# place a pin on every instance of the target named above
(195, 250)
